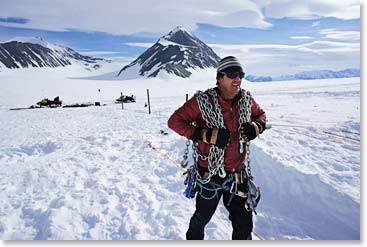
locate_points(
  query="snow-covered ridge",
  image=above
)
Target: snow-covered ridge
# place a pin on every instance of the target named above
(178, 29)
(179, 36)
(39, 41)
(308, 75)
(29, 39)
(320, 74)
(24, 52)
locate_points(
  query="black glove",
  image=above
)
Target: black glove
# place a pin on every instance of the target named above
(261, 125)
(218, 137)
(250, 130)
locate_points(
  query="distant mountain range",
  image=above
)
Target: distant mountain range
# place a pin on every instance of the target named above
(307, 75)
(175, 53)
(36, 52)
(178, 53)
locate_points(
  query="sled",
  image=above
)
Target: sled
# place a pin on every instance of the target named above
(26, 108)
(78, 105)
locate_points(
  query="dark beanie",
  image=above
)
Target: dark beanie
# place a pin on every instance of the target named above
(227, 63)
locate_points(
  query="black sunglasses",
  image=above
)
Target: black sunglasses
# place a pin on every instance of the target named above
(233, 75)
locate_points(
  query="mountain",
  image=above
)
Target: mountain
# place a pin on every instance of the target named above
(36, 52)
(175, 53)
(320, 74)
(254, 78)
(307, 75)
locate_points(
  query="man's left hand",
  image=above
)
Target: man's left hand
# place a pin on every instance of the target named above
(250, 130)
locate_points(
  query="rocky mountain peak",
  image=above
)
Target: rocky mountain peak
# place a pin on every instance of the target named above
(175, 53)
(180, 36)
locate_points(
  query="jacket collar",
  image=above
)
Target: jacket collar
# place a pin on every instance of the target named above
(223, 102)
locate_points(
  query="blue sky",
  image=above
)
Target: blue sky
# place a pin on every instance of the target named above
(295, 35)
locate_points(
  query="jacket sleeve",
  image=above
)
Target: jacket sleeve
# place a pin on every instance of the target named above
(257, 112)
(181, 120)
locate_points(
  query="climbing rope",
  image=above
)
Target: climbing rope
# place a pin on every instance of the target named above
(347, 138)
(149, 144)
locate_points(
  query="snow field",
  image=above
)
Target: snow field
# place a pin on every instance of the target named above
(89, 173)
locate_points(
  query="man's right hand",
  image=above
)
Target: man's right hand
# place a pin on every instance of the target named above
(217, 137)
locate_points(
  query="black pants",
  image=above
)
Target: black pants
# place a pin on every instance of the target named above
(241, 218)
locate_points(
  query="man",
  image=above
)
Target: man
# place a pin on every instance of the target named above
(221, 121)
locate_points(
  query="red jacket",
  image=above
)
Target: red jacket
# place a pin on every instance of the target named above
(182, 119)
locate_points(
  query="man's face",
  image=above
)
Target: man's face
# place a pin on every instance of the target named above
(228, 86)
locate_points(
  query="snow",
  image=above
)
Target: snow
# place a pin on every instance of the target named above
(179, 29)
(30, 39)
(131, 72)
(167, 43)
(39, 41)
(106, 173)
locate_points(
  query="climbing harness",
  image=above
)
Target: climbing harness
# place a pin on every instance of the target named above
(214, 119)
(190, 180)
(214, 188)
